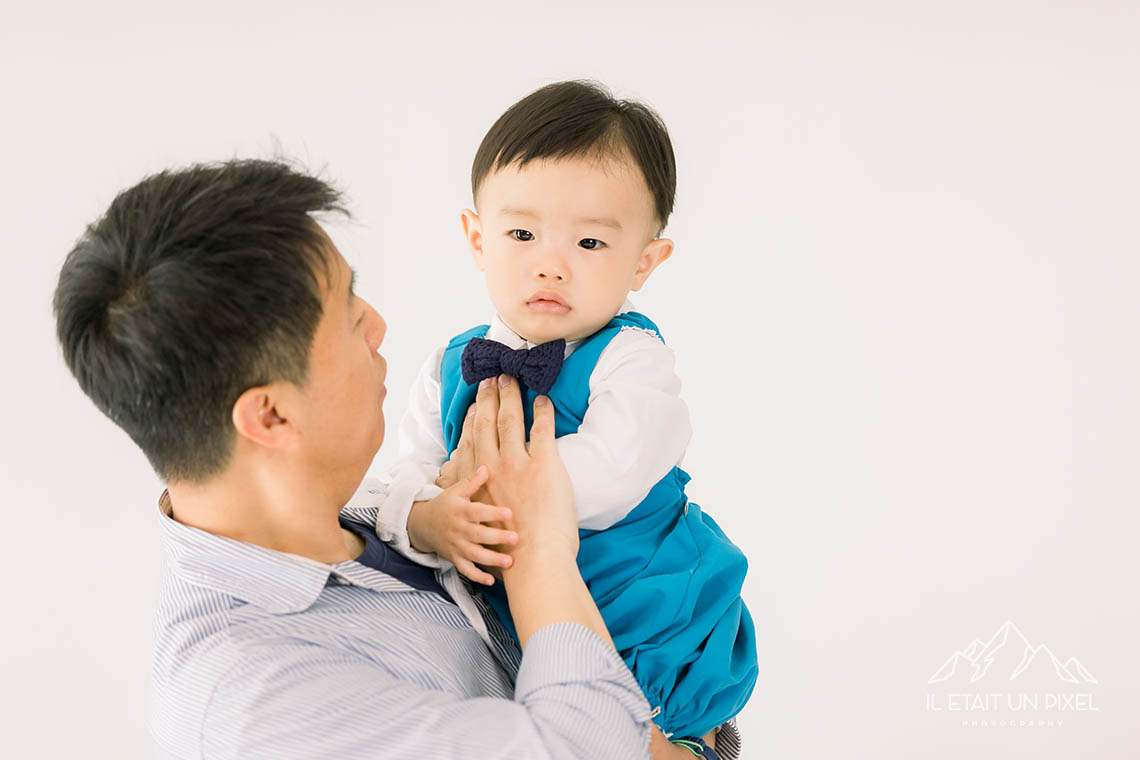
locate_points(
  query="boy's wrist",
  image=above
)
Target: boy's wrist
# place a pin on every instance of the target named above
(417, 535)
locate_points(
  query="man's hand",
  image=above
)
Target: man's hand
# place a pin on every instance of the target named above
(543, 583)
(453, 525)
(534, 483)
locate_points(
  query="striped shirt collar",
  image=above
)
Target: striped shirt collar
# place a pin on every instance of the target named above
(274, 581)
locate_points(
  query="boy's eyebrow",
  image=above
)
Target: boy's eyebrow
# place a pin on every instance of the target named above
(351, 285)
(603, 221)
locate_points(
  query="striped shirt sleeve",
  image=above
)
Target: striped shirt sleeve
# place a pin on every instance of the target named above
(574, 698)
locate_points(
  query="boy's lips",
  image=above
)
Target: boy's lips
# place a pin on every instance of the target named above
(547, 302)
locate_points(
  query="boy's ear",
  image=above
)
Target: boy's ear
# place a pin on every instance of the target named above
(473, 232)
(656, 252)
(260, 416)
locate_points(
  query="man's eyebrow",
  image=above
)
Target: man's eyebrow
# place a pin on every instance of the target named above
(603, 221)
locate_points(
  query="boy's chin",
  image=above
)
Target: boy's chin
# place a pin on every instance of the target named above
(540, 333)
(547, 328)
(545, 337)
(567, 333)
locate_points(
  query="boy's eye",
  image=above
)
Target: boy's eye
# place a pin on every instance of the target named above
(521, 235)
(591, 244)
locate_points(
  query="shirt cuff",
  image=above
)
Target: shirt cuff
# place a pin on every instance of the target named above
(392, 519)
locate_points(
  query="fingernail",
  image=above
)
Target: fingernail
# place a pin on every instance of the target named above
(471, 409)
(505, 562)
(489, 582)
(504, 380)
(541, 401)
(506, 514)
(513, 538)
(485, 383)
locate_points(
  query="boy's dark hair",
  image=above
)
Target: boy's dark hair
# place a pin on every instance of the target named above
(195, 286)
(581, 118)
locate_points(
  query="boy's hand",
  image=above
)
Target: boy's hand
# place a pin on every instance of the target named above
(452, 526)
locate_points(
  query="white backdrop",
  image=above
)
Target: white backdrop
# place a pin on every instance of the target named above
(904, 299)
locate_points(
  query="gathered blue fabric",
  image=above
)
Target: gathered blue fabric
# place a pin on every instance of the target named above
(665, 578)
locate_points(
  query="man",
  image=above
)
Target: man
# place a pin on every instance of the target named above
(209, 316)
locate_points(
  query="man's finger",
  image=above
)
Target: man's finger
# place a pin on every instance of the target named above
(512, 436)
(486, 424)
(542, 429)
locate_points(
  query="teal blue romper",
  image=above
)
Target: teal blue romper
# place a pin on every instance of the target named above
(665, 578)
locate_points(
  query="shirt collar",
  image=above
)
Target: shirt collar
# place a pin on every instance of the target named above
(275, 581)
(498, 331)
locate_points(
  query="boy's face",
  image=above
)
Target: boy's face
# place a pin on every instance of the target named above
(563, 242)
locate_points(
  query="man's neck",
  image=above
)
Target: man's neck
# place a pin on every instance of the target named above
(284, 511)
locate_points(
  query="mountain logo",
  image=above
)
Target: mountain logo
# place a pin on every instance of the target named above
(1009, 655)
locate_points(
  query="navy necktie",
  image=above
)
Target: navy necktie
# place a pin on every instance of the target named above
(536, 367)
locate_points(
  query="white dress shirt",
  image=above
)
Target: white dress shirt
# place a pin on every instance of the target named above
(635, 430)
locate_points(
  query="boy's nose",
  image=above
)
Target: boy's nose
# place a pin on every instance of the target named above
(551, 268)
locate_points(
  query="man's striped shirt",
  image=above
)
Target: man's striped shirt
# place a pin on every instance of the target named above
(264, 654)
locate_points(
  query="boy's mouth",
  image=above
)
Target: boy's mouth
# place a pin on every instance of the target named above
(547, 302)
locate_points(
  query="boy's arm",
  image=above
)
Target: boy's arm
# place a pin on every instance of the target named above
(422, 453)
(636, 429)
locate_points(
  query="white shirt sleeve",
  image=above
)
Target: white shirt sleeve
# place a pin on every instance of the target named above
(422, 453)
(635, 430)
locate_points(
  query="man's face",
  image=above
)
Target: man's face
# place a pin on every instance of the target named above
(343, 423)
(562, 243)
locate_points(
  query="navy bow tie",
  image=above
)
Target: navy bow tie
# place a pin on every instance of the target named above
(537, 367)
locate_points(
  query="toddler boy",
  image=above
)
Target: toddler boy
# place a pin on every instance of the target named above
(573, 189)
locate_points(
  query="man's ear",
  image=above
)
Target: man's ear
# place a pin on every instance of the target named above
(473, 232)
(656, 252)
(260, 416)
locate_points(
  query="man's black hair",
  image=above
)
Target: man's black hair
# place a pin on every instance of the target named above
(581, 118)
(195, 286)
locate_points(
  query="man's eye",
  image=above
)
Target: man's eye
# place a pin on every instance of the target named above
(591, 244)
(521, 235)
